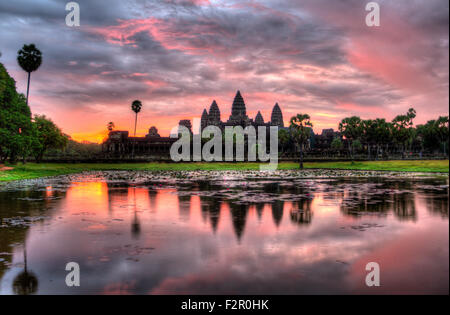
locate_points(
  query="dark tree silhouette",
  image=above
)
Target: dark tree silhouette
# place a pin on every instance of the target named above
(29, 59)
(25, 282)
(136, 107)
(300, 127)
(135, 225)
(402, 130)
(351, 128)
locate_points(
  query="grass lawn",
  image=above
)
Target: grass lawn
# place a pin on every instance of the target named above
(433, 166)
(32, 170)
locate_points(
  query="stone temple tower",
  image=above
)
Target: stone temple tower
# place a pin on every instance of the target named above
(277, 117)
(214, 114)
(238, 111)
(238, 107)
(204, 119)
(259, 120)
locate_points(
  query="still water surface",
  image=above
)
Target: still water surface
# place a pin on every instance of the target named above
(298, 236)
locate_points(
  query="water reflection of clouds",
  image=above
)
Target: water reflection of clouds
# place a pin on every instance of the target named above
(158, 241)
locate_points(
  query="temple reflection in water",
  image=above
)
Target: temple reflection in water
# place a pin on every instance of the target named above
(398, 200)
(175, 237)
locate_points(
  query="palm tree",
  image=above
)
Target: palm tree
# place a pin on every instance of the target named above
(442, 123)
(402, 129)
(136, 107)
(351, 129)
(111, 126)
(337, 145)
(301, 130)
(383, 135)
(29, 59)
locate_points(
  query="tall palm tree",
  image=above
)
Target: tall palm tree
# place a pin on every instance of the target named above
(300, 127)
(29, 59)
(403, 129)
(136, 107)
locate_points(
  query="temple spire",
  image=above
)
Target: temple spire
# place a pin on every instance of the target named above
(214, 114)
(238, 107)
(204, 119)
(276, 118)
(259, 120)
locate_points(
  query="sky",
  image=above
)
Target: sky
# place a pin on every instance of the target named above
(177, 56)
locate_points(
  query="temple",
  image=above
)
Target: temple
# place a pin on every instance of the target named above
(239, 116)
(120, 145)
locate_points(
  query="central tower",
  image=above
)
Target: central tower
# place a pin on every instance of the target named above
(238, 111)
(238, 107)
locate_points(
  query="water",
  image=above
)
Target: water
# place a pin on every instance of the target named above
(227, 236)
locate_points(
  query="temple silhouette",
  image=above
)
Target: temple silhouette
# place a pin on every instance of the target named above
(152, 146)
(239, 116)
(120, 144)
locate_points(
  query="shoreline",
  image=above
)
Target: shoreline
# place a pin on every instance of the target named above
(137, 177)
(35, 171)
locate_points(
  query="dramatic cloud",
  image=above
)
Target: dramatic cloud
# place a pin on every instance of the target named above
(312, 56)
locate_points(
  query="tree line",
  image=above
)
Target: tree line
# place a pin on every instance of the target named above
(374, 137)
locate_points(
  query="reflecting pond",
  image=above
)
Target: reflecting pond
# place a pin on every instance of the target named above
(224, 236)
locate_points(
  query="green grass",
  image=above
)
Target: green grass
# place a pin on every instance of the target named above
(32, 170)
(433, 166)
